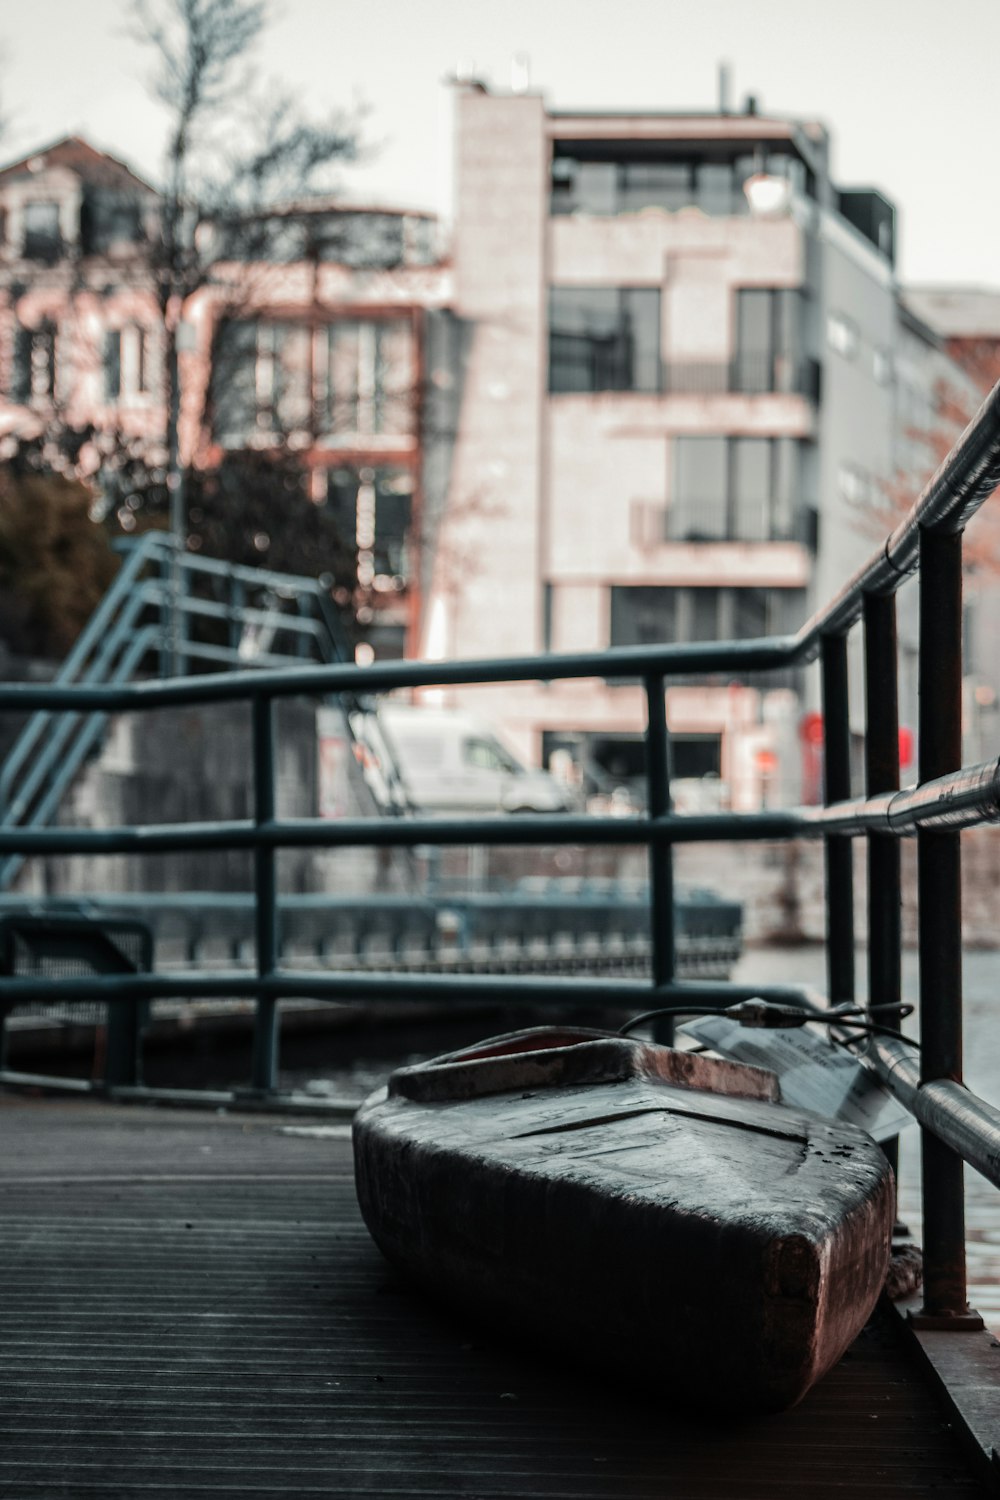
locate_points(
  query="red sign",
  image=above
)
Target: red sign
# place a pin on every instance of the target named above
(811, 729)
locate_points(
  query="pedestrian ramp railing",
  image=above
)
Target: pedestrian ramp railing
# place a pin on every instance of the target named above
(924, 1073)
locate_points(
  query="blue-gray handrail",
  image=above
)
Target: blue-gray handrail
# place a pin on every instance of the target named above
(956, 1126)
(115, 644)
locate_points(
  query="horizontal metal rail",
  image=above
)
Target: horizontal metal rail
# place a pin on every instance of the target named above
(955, 1124)
(962, 800)
(637, 661)
(363, 984)
(966, 1123)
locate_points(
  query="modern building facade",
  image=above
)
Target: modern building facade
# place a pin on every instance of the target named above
(679, 400)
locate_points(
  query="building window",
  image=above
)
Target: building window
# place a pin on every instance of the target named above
(34, 364)
(127, 363)
(42, 233)
(109, 222)
(604, 339)
(768, 339)
(370, 379)
(882, 366)
(373, 511)
(261, 380)
(856, 485)
(647, 616)
(112, 365)
(604, 179)
(842, 335)
(365, 240)
(736, 489)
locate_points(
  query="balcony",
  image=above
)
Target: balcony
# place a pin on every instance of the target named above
(746, 375)
(580, 364)
(721, 520)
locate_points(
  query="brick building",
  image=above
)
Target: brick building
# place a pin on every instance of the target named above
(310, 334)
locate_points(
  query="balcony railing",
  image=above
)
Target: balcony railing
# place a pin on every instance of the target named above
(581, 365)
(747, 375)
(715, 520)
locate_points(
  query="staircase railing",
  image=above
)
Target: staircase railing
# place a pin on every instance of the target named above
(270, 618)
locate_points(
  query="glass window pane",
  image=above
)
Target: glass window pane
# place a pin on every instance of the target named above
(715, 187)
(342, 499)
(658, 184)
(604, 339)
(749, 612)
(643, 616)
(395, 379)
(787, 339)
(343, 393)
(291, 396)
(234, 380)
(564, 170)
(743, 167)
(700, 508)
(596, 187)
(751, 488)
(393, 506)
(787, 501)
(42, 237)
(753, 320)
(754, 340)
(641, 332)
(704, 614)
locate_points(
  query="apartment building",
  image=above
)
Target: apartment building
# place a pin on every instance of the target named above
(679, 403)
(309, 334)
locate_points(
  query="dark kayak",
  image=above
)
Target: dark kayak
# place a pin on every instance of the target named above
(657, 1212)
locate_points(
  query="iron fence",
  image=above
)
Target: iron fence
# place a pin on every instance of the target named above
(956, 1126)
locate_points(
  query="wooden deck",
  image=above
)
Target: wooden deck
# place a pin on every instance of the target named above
(192, 1308)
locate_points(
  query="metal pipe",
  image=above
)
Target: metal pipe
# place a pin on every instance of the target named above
(967, 1124)
(217, 687)
(264, 1068)
(661, 862)
(940, 915)
(311, 984)
(837, 785)
(961, 800)
(882, 775)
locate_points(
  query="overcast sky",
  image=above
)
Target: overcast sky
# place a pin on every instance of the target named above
(907, 87)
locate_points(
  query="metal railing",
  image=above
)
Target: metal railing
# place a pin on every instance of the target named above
(956, 1125)
(257, 617)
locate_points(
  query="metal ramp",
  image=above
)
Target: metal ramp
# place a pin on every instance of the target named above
(166, 612)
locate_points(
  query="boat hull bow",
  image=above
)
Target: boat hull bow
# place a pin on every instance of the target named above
(720, 1245)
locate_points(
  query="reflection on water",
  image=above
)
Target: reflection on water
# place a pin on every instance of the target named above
(981, 986)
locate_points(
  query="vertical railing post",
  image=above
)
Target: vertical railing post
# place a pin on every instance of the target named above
(882, 775)
(939, 892)
(661, 859)
(183, 619)
(265, 1037)
(837, 788)
(237, 603)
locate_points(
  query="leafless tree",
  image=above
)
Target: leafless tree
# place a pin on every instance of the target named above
(215, 193)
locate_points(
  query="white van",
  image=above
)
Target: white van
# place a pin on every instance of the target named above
(451, 761)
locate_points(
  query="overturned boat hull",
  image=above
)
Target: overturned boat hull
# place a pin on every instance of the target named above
(653, 1211)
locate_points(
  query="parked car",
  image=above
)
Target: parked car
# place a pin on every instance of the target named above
(451, 761)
